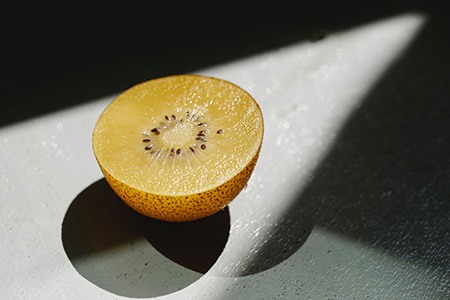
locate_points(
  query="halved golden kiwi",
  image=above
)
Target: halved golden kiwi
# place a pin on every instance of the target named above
(181, 147)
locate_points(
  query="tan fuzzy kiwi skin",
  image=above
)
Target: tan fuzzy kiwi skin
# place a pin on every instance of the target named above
(185, 207)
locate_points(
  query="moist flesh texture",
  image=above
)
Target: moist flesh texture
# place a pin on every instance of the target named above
(178, 135)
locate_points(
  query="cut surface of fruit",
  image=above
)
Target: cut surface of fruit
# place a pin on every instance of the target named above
(180, 147)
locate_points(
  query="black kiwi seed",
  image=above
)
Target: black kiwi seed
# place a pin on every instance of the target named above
(203, 146)
(219, 131)
(148, 147)
(156, 131)
(167, 118)
(146, 140)
(192, 149)
(179, 151)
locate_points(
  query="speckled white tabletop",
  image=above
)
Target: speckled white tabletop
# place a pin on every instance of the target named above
(349, 199)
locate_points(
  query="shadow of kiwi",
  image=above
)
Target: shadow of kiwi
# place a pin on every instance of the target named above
(131, 255)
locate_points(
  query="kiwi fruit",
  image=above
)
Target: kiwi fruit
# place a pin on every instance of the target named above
(181, 147)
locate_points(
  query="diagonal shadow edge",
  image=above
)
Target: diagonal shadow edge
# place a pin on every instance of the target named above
(88, 63)
(384, 180)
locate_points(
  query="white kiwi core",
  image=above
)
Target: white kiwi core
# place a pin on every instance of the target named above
(178, 135)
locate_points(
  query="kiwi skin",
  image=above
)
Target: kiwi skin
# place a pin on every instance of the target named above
(184, 207)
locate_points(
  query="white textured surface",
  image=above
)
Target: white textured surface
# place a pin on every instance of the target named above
(307, 93)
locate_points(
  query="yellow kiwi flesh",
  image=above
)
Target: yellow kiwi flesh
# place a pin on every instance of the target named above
(181, 147)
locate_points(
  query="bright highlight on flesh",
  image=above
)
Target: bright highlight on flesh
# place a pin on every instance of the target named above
(181, 147)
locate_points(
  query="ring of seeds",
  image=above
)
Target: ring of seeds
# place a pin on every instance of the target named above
(168, 122)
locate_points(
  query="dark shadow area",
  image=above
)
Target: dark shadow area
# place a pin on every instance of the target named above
(386, 180)
(51, 60)
(128, 254)
(195, 245)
